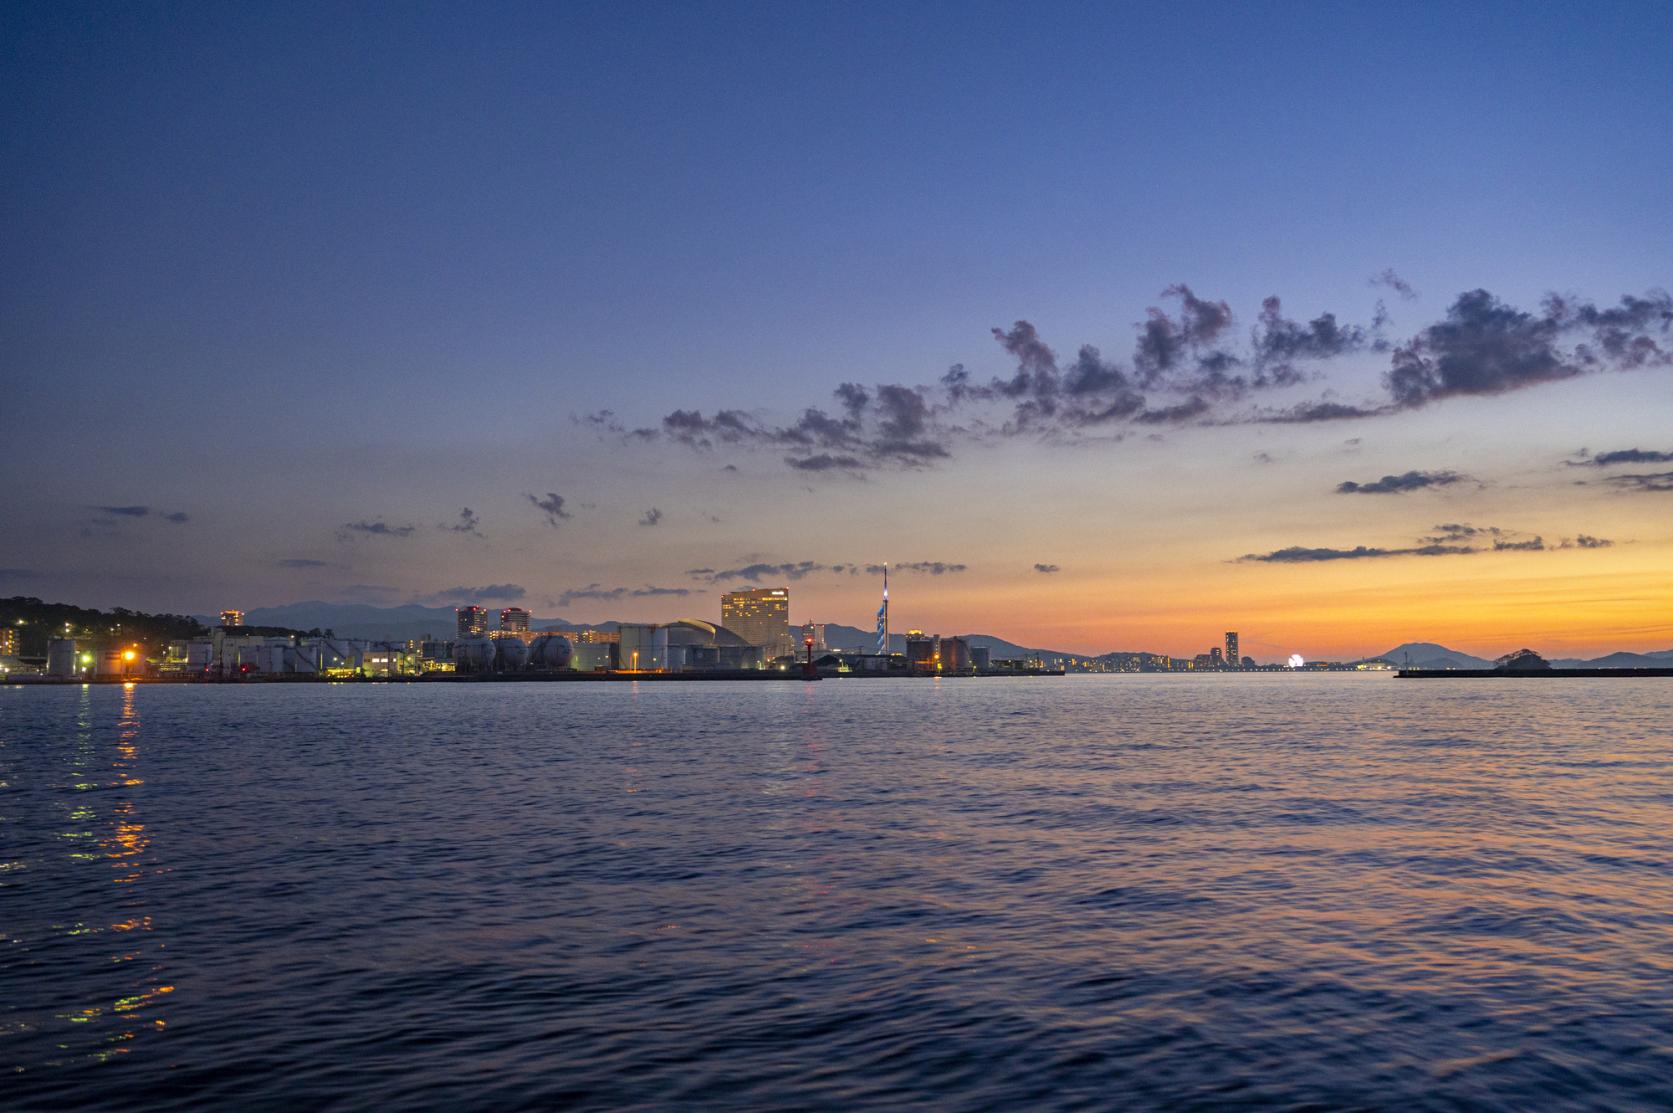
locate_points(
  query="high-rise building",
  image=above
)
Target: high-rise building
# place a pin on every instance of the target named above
(514, 620)
(1215, 660)
(473, 621)
(761, 616)
(232, 618)
(1234, 659)
(816, 631)
(8, 642)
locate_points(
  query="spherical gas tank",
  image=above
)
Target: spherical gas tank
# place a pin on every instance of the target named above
(514, 653)
(553, 652)
(473, 654)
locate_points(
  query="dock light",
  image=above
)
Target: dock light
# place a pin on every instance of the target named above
(128, 655)
(87, 658)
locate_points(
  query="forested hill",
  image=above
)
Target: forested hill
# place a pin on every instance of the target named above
(36, 622)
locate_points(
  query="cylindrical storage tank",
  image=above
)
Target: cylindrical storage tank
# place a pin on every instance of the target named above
(591, 657)
(61, 657)
(200, 655)
(675, 658)
(643, 647)
(551, 651)
(514, 654)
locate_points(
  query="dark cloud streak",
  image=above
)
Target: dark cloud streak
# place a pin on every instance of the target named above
(552, 506)
(377, 528)
(1401, 484)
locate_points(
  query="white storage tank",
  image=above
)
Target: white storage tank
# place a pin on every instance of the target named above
(643, 647)
(61, 657)
(474, 654)
(514, 654)
(551, 651)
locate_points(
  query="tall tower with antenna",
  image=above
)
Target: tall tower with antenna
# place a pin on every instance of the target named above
(883, 617)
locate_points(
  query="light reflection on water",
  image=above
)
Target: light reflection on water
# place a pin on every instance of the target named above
(1107, 892)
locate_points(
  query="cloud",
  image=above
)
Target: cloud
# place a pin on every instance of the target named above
(1448, 539)
(551, 506)
(377, 528)
(174, 517)
(1048, 568)
(1387, 277)
(825, 461)
(801, 569)
(613, 594)
(755, 573)
(1650, 481)
(1166, 343)
(1189, 365)
(1629, 456)
(505, 592)
(301, 562)
(1401, 484)
(691, 428)
(1448, 532)
(1183, 411)
(1486, 347)
(1305, 413)
(1279, 342)
(1298, 554)
(604, 421)
(467, 523)
(650, 517)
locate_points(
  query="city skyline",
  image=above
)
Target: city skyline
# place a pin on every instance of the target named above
(291, 321)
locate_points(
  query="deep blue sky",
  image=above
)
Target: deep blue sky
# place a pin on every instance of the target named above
(332, 233)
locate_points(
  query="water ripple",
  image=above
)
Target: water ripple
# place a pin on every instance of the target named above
(1329, 892)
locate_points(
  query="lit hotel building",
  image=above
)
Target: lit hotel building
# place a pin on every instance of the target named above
(232, 618)
(473, 621)
(761, 616)
(514, 620)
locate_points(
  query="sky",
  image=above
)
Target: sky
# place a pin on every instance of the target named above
(605, 309)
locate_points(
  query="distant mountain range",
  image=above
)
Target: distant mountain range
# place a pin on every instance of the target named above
(1428, 655)
(414, 620)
